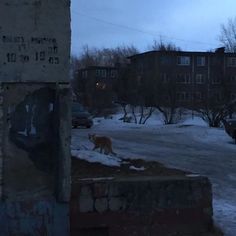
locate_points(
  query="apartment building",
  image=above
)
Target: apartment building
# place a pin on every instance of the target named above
(196, 77)
(96, 86)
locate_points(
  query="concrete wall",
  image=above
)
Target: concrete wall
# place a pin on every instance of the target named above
(35, 117)
(153, 206)
(45, 217)
(36, 139)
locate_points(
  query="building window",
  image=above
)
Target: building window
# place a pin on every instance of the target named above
(233, 96)
(165, 78)
(183, 79)
(231, 61)
(183, 61)
(217, 96)
(198, 96)
(200, 79)
(165, 60)
(216, 80)
(232, 79)
(180, 96)
(104, 73)
(201, 61)
(84, 74)
(113, 73)
(184, 96)
(98, 73)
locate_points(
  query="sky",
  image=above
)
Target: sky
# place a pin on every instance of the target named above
(192, 25)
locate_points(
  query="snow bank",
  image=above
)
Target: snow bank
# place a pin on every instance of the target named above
(224, 212)
(95, 157)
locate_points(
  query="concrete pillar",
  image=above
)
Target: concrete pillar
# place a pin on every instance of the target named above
(34, 68)
(34, 112)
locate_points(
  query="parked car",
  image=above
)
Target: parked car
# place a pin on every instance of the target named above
(80, 117)
(230, 128)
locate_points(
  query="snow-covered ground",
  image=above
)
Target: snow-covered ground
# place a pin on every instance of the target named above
(190, 145)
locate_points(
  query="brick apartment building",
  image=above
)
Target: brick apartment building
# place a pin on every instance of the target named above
(195, 78)
(198, 77)
(96, 86)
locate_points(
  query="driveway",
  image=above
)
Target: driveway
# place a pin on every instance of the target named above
(209, 152)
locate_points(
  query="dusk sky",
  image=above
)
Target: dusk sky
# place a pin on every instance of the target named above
(193, 25)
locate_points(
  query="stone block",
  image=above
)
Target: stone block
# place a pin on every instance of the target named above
(100, 190)
(101, 205)
(151, 206)
(113, 190)
(86, 204)
(117, 204)
(86, 191)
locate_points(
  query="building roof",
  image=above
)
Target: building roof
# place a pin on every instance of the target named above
(99, 67)
(162, 52)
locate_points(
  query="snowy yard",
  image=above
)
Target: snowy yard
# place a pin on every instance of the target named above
(189, 145)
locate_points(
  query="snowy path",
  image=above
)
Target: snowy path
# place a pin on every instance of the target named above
(199, 149)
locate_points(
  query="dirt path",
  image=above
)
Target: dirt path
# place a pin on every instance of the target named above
(180, 148)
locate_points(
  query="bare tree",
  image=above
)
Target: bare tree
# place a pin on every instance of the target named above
(161, 45)
(105, 56)
(74, 65)
(97, 57)
(213, 114)
(228, 35)
(167, 101)
(147, 92)
(216, 108)
(137, 94)
(164, 93)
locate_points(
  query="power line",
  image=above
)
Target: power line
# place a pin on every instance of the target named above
(155, 34)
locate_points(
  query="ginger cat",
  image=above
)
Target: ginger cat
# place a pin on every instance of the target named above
(102, 142)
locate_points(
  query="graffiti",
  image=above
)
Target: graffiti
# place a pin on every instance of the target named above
(32, 49)
(53, 60)
(12, 39)
(11, 57)
(39, 40)
(32, 130)
(40, 56)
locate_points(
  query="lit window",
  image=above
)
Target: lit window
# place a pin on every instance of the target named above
(201, 61)
(183, 61)
(231, 61)
(100, 85)
(200, 79)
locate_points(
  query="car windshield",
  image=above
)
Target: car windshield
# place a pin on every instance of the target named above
(76, 107)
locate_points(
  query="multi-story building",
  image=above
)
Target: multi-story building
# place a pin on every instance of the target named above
(96, 86)
(196, 77)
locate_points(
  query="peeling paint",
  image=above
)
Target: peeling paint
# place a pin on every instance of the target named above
(45, 217)
(51, 107)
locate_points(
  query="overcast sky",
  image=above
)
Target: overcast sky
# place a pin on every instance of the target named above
(193, 25)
